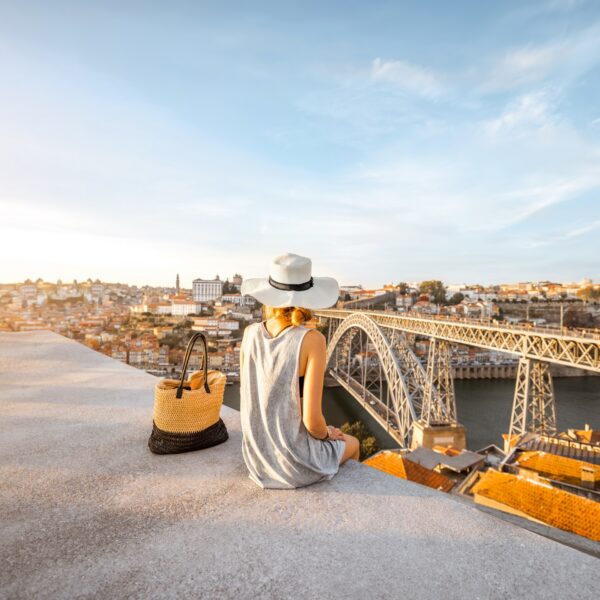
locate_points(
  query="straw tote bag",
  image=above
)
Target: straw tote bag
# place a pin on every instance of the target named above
(187, 412)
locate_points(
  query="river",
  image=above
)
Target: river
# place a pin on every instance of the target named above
(483, 407)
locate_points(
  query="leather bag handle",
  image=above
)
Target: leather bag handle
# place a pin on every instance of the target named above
(186, 360)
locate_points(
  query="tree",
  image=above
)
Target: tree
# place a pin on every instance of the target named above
(229, 287)
(172, 340)
(435, 289)
(456, 298)
(574, 317)
(588, 293)
(368, 444)
(403, 288)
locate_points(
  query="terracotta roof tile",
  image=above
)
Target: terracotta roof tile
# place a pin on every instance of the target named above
(542, 502)
(559, 468)
(394, 464)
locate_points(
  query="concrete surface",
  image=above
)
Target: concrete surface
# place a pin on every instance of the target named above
(88, 512)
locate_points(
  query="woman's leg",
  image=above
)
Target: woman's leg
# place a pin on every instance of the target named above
(351, 448)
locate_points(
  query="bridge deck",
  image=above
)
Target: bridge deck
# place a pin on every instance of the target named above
(573, 349)
(88, 511)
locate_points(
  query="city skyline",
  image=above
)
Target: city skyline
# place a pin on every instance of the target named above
(67, 282)
(373, 139)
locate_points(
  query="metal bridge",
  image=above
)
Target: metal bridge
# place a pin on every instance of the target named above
(370, 354)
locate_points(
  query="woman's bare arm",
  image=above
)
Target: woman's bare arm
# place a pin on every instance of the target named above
(315, 346)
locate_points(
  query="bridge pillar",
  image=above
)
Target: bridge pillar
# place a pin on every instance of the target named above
(438, 423)
(533, 408)
(439, 403)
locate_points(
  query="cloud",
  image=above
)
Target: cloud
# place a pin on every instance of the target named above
(563, 59)
(532, 110)
(563, 5)
(582, 230)
(569, 235)
(359, 103)
(553, 191)
(412, 78)
(530, 63)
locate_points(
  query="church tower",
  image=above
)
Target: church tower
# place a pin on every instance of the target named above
(177, 284)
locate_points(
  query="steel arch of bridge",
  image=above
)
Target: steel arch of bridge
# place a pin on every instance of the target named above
(399, 391)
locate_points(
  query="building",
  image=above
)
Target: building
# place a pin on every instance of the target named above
(97, 289)
(206, 290)
(394, 464)
(241, 314)
(404, 301)
(216, 326)
(237, 281)
(181, 308)
(539, 501)
(239, 299)
(28, 289)
(163, 308)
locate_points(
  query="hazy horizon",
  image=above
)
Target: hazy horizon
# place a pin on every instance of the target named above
(69, 281)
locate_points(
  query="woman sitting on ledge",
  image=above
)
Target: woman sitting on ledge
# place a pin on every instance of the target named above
(286, 442)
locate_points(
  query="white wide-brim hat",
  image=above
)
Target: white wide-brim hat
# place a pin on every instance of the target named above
(290, 283)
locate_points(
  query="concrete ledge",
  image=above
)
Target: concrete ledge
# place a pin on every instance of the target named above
(87, 511)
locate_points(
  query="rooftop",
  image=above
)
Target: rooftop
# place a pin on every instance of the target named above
(559, 468)
(399, 466)
(541, 501)
(88, 511)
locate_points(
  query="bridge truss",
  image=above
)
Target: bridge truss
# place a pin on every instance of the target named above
(369, 353)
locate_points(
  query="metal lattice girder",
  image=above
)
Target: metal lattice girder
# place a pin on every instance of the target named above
(439, 404)
(533, 407)
(412, 369)
(397, 395)
(556, 348)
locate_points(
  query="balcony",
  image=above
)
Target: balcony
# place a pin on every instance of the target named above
(88, 511)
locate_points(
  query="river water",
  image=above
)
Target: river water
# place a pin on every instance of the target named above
(483, 407)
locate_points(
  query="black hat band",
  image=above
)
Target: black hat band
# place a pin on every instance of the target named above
(297, 287)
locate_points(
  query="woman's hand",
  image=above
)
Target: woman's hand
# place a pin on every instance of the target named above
(335, 433)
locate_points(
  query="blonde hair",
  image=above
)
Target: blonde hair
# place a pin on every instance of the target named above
(296, 315)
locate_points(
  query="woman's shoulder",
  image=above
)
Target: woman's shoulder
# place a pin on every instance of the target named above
(249, 330)
(313, 331)
(311, 336)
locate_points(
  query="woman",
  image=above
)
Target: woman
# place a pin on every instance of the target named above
(286, 442)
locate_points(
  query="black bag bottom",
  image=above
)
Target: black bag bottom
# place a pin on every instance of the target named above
(166, 442)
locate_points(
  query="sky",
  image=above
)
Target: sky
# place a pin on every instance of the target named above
(387, 141)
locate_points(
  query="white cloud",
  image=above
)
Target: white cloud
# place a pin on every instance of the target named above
(531, 63)
(567, 59)
(565, 5)
(573, 233)
(582, 230)
(531, 110)
(554, 191)
(524, 66)
(407, 76)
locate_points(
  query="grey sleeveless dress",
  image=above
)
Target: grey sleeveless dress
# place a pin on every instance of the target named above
(276, 446)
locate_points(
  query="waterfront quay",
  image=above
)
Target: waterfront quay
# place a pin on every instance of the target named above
(88, 511)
